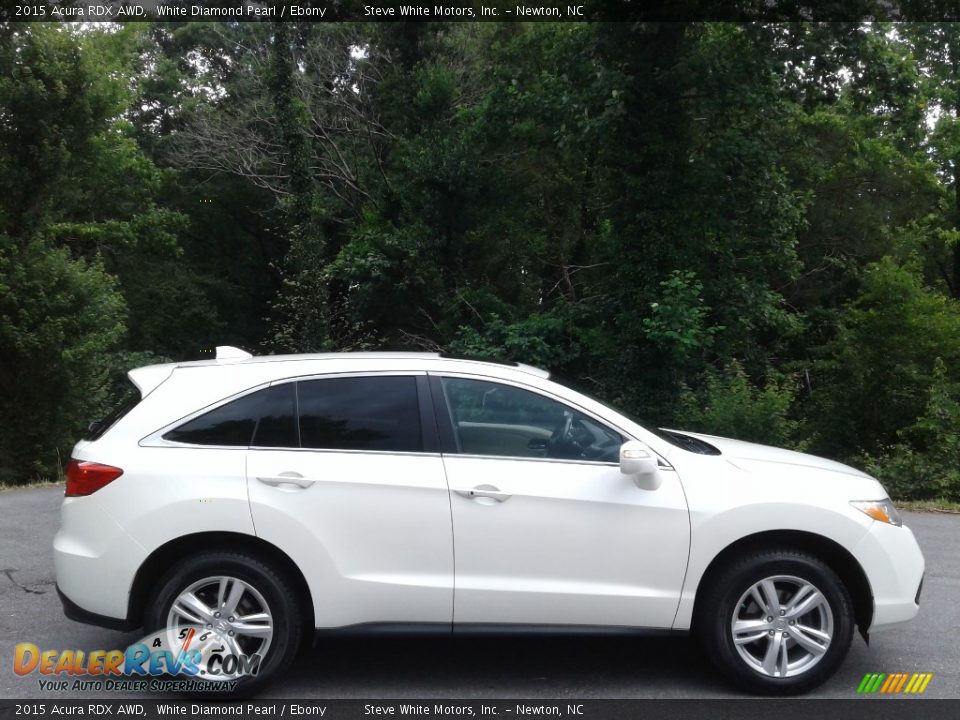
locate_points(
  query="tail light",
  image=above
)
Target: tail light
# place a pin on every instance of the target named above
(85, 478)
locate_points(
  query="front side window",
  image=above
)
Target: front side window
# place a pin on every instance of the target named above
(493, 419)
(360, 413)
(229, 425)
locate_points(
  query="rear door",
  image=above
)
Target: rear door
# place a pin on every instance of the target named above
(346, 477)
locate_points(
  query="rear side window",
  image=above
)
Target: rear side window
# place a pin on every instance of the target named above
(278, 419)
(230, 425)
(362, 413)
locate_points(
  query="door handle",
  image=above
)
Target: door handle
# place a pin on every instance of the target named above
(286, 478)
(485, 491)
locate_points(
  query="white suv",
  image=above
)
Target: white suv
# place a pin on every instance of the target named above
(266, 497)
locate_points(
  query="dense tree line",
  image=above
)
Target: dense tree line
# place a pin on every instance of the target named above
(748, 229)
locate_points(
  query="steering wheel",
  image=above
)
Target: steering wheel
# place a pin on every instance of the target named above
(562, 441)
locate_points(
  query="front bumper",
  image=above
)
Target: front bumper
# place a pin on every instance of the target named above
(894, 565)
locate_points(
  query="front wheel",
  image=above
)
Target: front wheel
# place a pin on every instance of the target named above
(239, 612)
(777, 622)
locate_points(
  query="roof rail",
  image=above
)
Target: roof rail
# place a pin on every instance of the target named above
(509, 363)
(228, 352)
(477, 358)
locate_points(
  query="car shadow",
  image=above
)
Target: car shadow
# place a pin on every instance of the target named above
(500, 666)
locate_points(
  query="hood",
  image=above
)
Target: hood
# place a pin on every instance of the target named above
(747, 455)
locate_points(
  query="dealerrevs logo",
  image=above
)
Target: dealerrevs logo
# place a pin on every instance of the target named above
(182, 653)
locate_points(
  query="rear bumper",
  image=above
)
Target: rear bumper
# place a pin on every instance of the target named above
(95, 561)
(894, 565)
(78, 614)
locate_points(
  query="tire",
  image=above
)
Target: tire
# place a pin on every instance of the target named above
(260, 590)
(783, 647)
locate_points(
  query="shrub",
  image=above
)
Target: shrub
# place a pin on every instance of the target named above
(925, 463)
(729, 404)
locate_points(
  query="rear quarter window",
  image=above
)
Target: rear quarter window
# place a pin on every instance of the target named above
(230, 425)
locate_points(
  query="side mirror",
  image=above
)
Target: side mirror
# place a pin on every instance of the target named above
(638, 462)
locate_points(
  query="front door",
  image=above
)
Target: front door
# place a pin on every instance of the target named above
(546, 528)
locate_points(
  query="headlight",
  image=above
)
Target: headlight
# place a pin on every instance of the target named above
(880, 510)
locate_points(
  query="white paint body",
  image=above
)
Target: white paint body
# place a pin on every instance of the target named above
(391, 537)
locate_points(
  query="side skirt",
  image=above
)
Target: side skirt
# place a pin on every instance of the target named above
(421, 629)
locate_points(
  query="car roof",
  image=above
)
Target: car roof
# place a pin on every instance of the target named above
(148, 377)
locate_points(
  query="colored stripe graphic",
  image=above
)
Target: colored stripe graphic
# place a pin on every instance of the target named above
(913, 681)
(890, 683)
(894, 683)
(903, 679)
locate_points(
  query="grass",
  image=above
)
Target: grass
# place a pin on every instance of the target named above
(938, 506)
(35, 484)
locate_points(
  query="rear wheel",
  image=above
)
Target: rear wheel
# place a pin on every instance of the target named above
(248, 610)
(777, 622)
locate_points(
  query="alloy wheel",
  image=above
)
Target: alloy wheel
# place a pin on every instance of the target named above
(782, 626)
(235, 610)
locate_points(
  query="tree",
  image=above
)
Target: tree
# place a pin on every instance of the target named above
(871, 379)
(76, 203)
(935, 47)
(60, 319)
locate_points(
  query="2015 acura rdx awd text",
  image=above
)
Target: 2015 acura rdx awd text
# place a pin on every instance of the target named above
(271, 496)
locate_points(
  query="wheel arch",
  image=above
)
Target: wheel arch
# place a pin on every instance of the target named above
(161, 560)
(830, 552)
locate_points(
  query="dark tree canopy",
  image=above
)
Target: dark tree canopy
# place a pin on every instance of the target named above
(749, 229)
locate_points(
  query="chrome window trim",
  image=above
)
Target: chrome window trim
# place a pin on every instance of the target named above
(662, 464)
(347, 373)
(328, 451)
(156, 439)
(515, 458)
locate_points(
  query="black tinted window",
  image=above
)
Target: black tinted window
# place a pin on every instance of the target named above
(278, 419)
(231, 424)
(128, 400)
(365, 413)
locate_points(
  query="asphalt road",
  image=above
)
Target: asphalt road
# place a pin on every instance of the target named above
(479, 668)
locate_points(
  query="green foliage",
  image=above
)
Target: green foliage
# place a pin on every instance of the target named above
(625, 204)
(85, 244)
(925, 463)
(540, 340)
(677, 320)
(870, 380)
(60, 322)
(729, 404)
